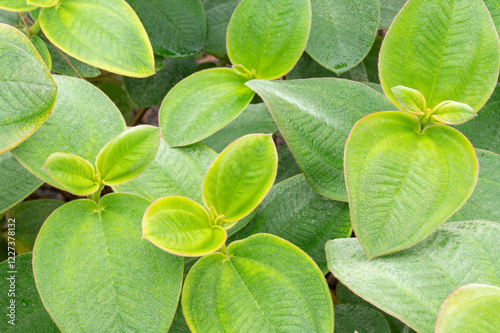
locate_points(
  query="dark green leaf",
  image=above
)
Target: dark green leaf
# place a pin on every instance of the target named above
(287, 166)
(388, 10)
(218, 15)
(358, 318)
(307, 68)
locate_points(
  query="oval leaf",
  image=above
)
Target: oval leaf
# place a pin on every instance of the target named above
(16, 5)
(268, 37)
(315, 118)
(446, 49)
(202, 104)
(181, 226)
(410, 100)
(28, 90)
(102, 33)
(404, 184)
(241, 176)
(73, 173)
(263, 284)
(98, 258)
(342, 32)
(453, 113)
(471, 308)
(128, 155)
(83, 121)
(412, 284)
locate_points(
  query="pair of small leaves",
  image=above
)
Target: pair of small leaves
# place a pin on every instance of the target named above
(235, 184)
(265, 39)
(121, 160)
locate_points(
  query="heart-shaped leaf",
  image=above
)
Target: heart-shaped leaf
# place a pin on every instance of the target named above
(176, 28)
(16, 5)
(218, 15)
(263, 284)
(174, 171)
(342, 32)
(43, 3)
(470, 308)
(181, 226)
(484, 202)
(83, 121)
(446, 49)
(315, 118)
(28, 313)
(98, 258)
(128, 155)
(73, 173)
(403, 183)
(102, 33)
(412, 284)
(241, 176)
(268, 37)
(16, 183)
(453, 113)
(28, 90)
(202, 104)
(295, 212)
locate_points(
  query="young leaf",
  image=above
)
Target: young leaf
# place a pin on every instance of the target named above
(101, 258)
(17, 182)
(315, 117)
(181, 226)
(218, 15)
(128, 155)
(202, 104)
(404, 184)
(73, 173)
(410, 100)
(31, 316)
(412, 284)
(446, 49)
(83, 121)
(295, 212)
(43, 3)
(102, 33)
(268, 36)
(174, 172)
(16, 5)
(263, 284)
(470, 308)
(342, 32)
(28, 90)
(184, 23)
(241, 176)
(453, 113)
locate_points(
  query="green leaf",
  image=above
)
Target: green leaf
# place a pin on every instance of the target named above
(410, 100)
(307, 68)
(179, 324)
(83, 121)
(29, 217)
(453, 113)
(446, 49)
(214, 98)
(218, 15)
(100, 257)
(287, 166)
(119, 97)
(484, 202)
(30, 315)
(268, 36)
(43, 3)
(371, 60)
(10, 18)
(102, 33)
(28, 90)
(412, 284)
(16, 183)
(315, 118)
(483, 131)
(183, 227)
(254, 119)
(388, 10)
(16, 5)
(61, 63)
(494, 9)
(350, 318)
(342, 32)
(72, 173)
(241, 176)
(470, 308)
(174, 172)
(42, 50)
(404, 184)
(176, 28)
(295, 212)
(152, 90)
(128, 155)
(263, 284)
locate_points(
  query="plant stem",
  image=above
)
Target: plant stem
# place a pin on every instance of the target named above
(138, 116)
(96, 195)
(35, 28)
(223, 249)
